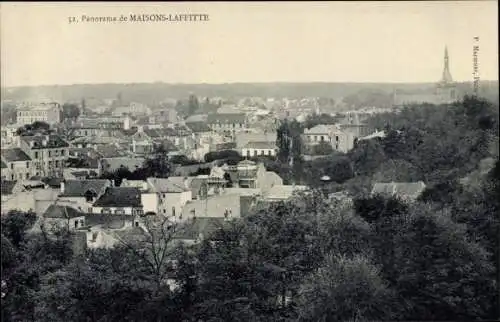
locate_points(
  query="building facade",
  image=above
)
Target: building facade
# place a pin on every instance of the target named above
(50, 113)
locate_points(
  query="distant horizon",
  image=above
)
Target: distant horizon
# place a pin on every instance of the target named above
(244, 83)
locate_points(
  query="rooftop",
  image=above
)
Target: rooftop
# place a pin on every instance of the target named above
(120, 197)
(45, 141)
(14, 155)
(63, 212)
(7, 187)
(227, 118)
(78, 188)
(166, 185)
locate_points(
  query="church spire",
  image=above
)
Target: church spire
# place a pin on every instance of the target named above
(446, 71)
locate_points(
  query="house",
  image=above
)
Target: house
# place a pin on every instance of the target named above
(119, 201)
(408, 191)
(263, 148)
(331, 134)
(243, 138)
(63, 216)
(81, 194)
(8, 135)
(229, 123)
(50, 113)
(14, 195)
(171, 195)
(48, 153)
(16, 165)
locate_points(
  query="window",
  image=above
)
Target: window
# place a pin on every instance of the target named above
(136, 224)
(36, 155)
(254, 153)
(27, 164)
(12, 166)
(90, 210)
(119, 212)
(322, 138)
(76, 223)
(50, 154)
(248, 153)
(63, 153)
(261, 152)
(268, 152)
(81, 222)
(336, 138)
(173, 211)
(164, 211)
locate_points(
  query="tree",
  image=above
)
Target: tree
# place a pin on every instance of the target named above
(323, 148)
(345, 289)
(15, 225)
(71, 111)
(193, 104)
(158, 165)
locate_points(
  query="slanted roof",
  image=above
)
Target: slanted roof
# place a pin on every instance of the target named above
(226, 118)
(166, 185)
(3, 165)
(52, 182)
(120, 197)
(14, 155)
(77, 188)
(260, 145)
(62, 212)
(7, 187)
(400, 189)
(198, 127)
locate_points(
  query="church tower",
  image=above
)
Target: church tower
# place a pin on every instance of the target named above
(446, 87)
(446, 79)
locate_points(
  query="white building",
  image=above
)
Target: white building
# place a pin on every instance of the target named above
(50, 113)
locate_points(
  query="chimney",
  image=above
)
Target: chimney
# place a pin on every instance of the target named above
(62, 187)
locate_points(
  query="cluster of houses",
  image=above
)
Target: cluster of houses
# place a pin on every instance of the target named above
(57, 174)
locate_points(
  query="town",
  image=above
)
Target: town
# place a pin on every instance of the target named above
(128, 194)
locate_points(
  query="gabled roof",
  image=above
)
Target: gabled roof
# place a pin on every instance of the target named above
(63, 212)
(120, 197)
(229, 118)
(260, 145)
(401, 189)
(14, 155)
(77, 188)
(7, 187)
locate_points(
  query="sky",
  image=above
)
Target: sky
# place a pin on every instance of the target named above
(247, 42)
